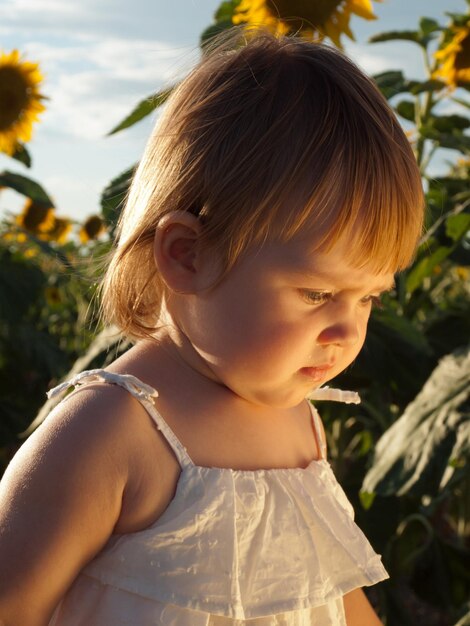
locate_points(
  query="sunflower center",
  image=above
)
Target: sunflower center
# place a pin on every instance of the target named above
(35, 215)
(14, 95)
(315, 13)
(462, 59)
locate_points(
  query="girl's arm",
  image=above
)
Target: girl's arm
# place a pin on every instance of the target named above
(60, 499)
(358, 610)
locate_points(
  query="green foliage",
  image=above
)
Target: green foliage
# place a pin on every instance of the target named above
(438, 416)
(144, 108)
(25, 186)
(222, 21)
(113, 196)
(428, 28)
(22, 155)
(44, 308)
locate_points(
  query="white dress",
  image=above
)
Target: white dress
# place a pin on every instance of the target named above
(275, 547)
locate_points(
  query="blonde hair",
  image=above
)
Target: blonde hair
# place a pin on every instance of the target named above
(276, 137)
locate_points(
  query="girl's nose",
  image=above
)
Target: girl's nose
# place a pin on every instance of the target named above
(342, 332)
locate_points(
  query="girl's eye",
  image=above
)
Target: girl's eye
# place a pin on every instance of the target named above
(315, 297)
(374, 300)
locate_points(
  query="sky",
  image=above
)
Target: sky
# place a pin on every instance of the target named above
(101, 57)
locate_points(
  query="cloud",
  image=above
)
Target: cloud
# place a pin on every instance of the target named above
(94, 82)
(390, 56)
(140, 18)
(26, 15)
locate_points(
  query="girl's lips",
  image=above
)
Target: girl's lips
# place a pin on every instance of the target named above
(317, 374)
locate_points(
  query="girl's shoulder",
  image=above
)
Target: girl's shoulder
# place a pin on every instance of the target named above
(112, 427)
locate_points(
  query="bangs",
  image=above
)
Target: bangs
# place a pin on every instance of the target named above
(329, 159)
(372, 197)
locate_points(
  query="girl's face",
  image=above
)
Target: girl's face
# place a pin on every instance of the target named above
(282, 322)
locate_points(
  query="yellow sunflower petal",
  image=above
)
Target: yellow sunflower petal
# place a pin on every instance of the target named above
(464, 75)
(333, 32)
(454, 57)
(342, 21)
(13, 57)
(363, 8)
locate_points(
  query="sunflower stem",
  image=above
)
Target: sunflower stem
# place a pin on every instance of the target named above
(428, 157)
(423, 115)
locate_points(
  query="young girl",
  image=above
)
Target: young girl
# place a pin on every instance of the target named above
(188, 483)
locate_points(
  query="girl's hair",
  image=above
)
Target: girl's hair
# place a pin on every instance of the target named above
(262, 142)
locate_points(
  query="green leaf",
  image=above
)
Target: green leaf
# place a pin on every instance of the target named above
(455, 141)
(22, 155)
(26, 186)
(449, 123)
(406, 108)
(424, 268)
(428, 26)
(222, 21)
(113, 196)
(393, 82)
(213, 30)
(459, 19)
(412, 456)
(390, 83)
(416, 86)
(422, 38)
(226, 10)
(461, 143)
(143, 109)
(457, 226)
(393, 35)
(400, 329)
(447, 186)
(367, 499)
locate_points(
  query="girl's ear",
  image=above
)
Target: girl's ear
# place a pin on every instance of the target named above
(176, 252)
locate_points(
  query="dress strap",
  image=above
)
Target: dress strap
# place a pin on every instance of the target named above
(336, 395)
(327, 393)
(317, 431)
(142, 392)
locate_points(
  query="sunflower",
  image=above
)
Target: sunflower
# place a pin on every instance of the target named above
(37, 218)
(455, 57)
(310, 18)
(20, 100)
(92, 229)
(58, 231)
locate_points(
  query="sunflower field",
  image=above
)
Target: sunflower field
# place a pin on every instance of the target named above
(403, 455)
